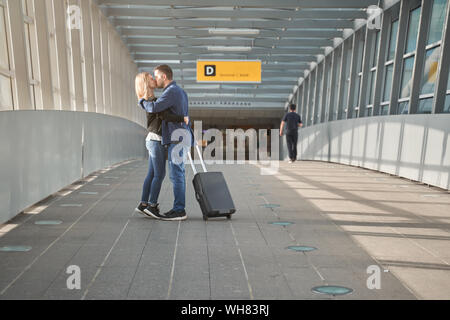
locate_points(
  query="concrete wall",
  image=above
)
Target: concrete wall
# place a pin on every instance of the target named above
(44, 151)
(416, 147)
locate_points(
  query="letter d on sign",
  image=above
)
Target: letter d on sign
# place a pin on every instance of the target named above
(73, 281)
(210, 70)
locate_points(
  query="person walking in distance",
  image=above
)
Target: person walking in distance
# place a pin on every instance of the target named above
(175, 99)
(292, 121)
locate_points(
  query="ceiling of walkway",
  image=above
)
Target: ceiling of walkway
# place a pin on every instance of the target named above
(286, 35)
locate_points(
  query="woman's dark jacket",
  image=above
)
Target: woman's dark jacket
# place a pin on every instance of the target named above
(154, 120)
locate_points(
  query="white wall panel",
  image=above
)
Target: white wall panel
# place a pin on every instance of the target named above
(416, 147)
(41, 152)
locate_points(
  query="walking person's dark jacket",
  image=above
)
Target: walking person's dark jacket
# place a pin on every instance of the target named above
(292, 120)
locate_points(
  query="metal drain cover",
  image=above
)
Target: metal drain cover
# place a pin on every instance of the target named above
(332, 290)
(270, 205)
(15, 249)
(301, 248)
(281, 223)
(48, 222)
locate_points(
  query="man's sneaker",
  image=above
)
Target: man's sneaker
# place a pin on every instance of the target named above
(290, 161)
(175, 215)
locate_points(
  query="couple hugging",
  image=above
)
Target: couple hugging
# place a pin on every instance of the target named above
(164, 115)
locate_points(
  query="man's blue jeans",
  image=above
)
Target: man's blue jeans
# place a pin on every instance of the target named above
(177, 176)
(156, 172)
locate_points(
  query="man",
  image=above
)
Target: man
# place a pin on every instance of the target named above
(292, 121)
(175, 99)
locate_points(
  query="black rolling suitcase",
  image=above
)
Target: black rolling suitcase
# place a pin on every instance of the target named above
(211, 192)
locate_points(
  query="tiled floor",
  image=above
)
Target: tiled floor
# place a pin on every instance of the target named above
(358, 221)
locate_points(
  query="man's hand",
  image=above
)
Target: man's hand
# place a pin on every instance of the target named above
(281, 128)
(186, 120)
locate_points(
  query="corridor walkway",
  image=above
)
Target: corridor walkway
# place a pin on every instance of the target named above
(354, 220)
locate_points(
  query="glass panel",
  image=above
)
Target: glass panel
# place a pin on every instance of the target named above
(384, 110)
(361, 52)
(408, 65)
(320, 95)
(327, 103)
(312, 98)
(393, 40)
(447, 104)
(346, 79)
(437, 21)
(369, 111)
(357, 91)
(388, 83)
(403, 107)
(334, 115)
(5, 93)
(371, 86)
(448, 81)
(4, 60)
(429, 74)
(345, 95)
(333, 104)
(375, 51)
(425, 106)
(28, 50)
(29, 53)
(413, 27)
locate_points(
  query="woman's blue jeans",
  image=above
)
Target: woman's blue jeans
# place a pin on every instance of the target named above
(156, 172)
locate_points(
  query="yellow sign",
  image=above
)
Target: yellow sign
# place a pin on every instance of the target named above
(229, 71)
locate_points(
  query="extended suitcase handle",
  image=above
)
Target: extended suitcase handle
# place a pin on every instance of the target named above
(201, 160)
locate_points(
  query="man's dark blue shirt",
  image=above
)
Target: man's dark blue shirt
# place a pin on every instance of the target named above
(292, 120)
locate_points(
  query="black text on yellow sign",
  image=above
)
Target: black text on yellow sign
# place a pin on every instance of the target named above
(247, 71)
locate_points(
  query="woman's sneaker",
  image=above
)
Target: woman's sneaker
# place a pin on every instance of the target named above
(175, 215)
(150, 210)
(140, 208)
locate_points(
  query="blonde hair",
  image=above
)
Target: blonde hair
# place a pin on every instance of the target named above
(142, 83)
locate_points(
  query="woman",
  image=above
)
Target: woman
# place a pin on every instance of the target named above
(145, 85)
